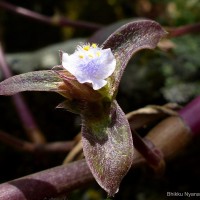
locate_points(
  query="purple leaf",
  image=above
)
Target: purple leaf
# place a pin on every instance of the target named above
(45, 80)
(102, 34)
(130, 38)
(108, 148)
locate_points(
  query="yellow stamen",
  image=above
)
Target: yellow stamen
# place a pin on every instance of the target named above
(81, 56)
(90, 55)
(98, 53)
(86, 48)
(94, 45)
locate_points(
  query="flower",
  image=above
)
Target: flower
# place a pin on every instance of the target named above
(90, 64)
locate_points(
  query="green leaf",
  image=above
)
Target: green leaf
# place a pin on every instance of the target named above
(45, 80)
(129, 39)
(108, 148)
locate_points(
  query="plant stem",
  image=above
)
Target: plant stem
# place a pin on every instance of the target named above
(58, 21)
(190, 114)
(56, 181)
(183, 30)
(23, 111)
(49, 183)
(21, 145)
(148, 150)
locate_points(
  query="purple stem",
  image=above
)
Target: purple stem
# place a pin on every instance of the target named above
(152, 155)
(183, 30)
(5, 69)
(47, 184)
(24, 113)
(62, 179)
(21, 145)
(52, 182)
(60, 21)
(190, 114)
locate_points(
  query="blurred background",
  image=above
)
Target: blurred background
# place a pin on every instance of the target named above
(167, 74)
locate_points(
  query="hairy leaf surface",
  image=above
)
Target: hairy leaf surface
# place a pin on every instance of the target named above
(129, 39)
(108, 149)
(45, 80)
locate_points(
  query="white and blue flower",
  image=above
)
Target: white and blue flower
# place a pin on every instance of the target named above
(90, 64)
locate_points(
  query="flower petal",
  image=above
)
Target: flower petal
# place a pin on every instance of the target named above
(90, 64)
(108, 63)
(98, 84)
